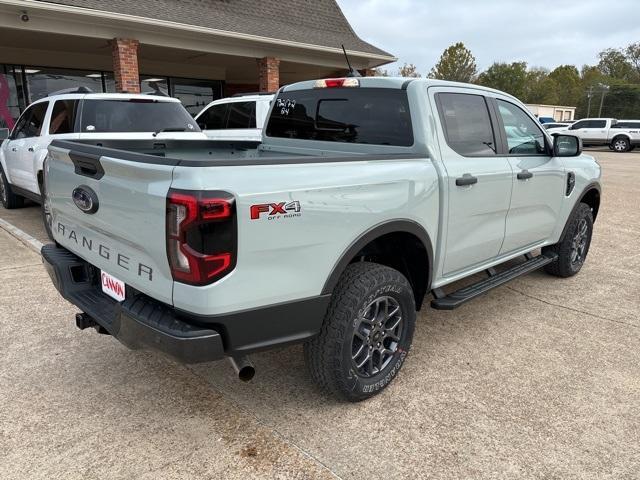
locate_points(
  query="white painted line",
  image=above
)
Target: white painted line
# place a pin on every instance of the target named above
(24, 237)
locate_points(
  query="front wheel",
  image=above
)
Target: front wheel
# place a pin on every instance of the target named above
(620, 144)
(366, 334)
(572, 250)
(9, 199)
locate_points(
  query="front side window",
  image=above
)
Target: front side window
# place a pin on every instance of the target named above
(30, 123)
(376, 116)
(467, 123)
(63, 117)
(135, 115)
(579, 125)
(215, 117)
(524, 136)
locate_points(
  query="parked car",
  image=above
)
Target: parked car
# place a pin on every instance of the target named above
(82, 116)
(240, 117)
(549, 126)
(605, 131)
(357, 204)
(544, 120)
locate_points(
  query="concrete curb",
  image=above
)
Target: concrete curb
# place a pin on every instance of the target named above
(24, 237)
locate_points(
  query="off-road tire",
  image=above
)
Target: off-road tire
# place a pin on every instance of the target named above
(9, 199)
(329, 355)
(566, 266)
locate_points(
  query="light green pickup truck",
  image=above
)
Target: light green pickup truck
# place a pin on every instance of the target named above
(366, 196)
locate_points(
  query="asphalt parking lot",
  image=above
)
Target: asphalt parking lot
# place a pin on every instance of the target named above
(537, 379)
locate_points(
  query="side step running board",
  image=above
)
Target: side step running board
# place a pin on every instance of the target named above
(457, 298)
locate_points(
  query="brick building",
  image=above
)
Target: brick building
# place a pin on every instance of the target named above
(196, 50)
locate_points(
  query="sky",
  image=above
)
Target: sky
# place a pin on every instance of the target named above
(543, 33)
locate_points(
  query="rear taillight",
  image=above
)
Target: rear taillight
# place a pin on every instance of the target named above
(201, 235)
(337, 82)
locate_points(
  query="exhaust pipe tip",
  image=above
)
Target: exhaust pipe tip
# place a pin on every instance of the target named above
(243, 368)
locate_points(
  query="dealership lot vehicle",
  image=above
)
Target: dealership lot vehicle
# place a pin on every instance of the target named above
(605, 131)
(82, 115)
(512, 377)
(353, 207)
(240, 117)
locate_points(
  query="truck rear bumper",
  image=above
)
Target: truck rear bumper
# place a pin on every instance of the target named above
(142, 322)
(137, 322)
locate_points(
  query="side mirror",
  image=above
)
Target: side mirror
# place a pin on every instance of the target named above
(566, 146)
(4, 133)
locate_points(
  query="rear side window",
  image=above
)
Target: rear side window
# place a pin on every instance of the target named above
(377, 116)
(63, 117)
(135, 115)
(242, 115)
(597, 123)
(467, 123)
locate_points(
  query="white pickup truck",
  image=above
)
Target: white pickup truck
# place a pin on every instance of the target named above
(240, 117)
(365, 195)
(81, 115)
(605, 131)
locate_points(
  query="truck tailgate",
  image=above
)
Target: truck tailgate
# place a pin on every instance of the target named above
(125, 236)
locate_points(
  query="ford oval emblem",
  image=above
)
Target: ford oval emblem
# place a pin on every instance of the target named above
(85, 199)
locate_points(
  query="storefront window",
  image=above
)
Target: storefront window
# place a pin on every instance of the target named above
(11, 95)
(43, 81)
(151, 83)
(195, 94)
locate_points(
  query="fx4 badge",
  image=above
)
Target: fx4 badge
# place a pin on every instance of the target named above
(276, 211)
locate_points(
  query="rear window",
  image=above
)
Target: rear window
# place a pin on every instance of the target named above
(135, 115)
(377, 116)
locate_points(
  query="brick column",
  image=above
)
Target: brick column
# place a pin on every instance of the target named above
(268, 74)
(125, 64)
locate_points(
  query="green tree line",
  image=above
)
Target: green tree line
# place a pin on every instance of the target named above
(614, 81)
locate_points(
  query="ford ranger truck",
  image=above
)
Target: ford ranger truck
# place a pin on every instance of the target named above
(365, 196)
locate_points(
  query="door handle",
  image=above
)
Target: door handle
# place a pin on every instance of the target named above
(466, 179)
(31, 149)
(14, 149)
(524, 175)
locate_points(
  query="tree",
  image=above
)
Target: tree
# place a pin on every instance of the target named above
(614, 63)
(540, 87)
(569, 84)
(456, 63)
(632, 53)
(409, 70)
(508, 77)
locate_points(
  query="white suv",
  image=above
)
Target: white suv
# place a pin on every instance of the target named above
(238, 118)
(77, 116)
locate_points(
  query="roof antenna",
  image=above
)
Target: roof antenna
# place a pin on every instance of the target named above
(352, 71)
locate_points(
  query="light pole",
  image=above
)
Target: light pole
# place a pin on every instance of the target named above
(604, 88)
(589, 95)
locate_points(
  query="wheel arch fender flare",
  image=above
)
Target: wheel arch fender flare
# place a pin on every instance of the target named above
(593, 186)
(384, 228)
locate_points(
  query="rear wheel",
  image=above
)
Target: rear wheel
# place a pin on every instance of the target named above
(366, 334)
(572, 250)
(620, 144)
(8, 198)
